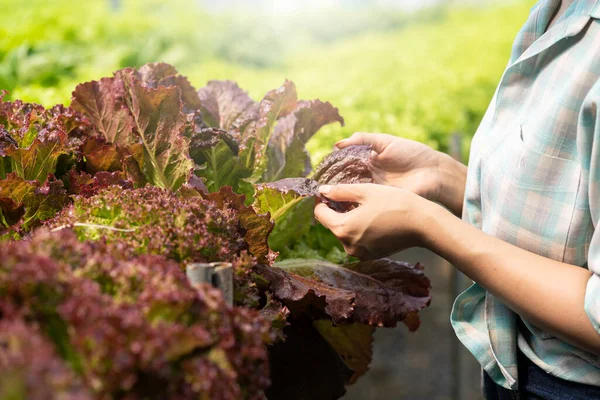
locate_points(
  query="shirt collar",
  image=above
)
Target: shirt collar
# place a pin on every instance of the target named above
(532, 39)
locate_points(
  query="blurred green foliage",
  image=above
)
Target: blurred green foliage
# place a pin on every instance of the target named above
(422, 76)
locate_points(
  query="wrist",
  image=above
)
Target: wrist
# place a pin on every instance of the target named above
(450, 184)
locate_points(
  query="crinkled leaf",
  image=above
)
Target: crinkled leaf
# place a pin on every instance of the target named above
(151, 220)
(103, 102)
(353, 342)
(83, 184)
(23, 121)
(225, 105)
(286, 151)
(159, 124)
(349, 165)
(16, 188)
(378, 293)
(99, 155)
(257, 227)
(151, 73)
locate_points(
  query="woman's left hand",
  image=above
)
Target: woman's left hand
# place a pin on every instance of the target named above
(387, 220)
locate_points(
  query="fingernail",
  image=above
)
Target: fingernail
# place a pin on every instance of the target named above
(339, 142)
(324, 189)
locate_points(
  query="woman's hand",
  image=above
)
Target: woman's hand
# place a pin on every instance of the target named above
(387, 220)
(414, 166)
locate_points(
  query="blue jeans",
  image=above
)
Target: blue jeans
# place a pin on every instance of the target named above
(535, 384)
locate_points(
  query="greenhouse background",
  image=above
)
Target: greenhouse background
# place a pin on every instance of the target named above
(424, 70)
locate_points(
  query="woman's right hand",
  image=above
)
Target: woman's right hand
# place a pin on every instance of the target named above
(414, 166)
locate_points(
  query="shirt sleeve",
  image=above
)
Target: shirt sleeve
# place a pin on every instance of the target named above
(589, 152)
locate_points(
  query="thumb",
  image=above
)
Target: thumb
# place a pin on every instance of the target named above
(377, 141)
(343, 192)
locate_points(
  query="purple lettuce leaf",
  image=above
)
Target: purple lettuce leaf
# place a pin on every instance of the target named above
(103, 102)
(159, 125)
(349, 165)
(127, 324)
(153, 75)
(187, 229)
(86, 185)
(39, 159)
(140, 115)
(276, 104)
(29, 365)
(377, 293)
(287, 153)
(226, 106)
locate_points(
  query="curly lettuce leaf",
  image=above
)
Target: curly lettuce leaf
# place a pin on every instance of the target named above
(86, 185)
(184, 228)
(257, 227)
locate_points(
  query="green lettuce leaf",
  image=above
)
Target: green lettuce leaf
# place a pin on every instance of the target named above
(25, 203)
(278, 198)
(39, 159)
(215, 153)
(353, 342)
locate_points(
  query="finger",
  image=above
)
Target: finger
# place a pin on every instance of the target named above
(377, 141)
(326, 216)
(344, 192)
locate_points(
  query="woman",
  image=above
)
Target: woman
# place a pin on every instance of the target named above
(530, 203)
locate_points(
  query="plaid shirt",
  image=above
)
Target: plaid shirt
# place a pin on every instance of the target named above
(534, 181)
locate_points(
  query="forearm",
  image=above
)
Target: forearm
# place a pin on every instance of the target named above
(548, 293)
(451, 178)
